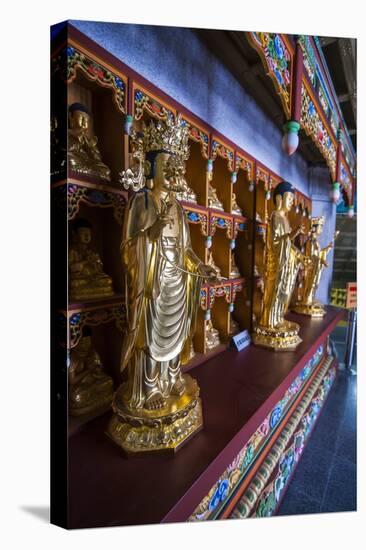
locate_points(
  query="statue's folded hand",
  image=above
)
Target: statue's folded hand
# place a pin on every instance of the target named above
(158, 226)
(207, 271)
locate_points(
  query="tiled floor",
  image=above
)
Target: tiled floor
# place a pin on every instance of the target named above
(325, 480)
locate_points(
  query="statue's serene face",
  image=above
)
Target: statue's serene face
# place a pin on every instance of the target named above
(84, 235)
(287, 201)
(161, 170)
(319, 229)
(79, 120)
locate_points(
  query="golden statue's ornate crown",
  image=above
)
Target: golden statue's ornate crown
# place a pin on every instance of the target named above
(170, 135)
(320, 220)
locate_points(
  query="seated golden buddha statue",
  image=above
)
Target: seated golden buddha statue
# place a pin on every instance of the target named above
(213, 199)
(86, 276)
(235, 209)
(234, 272)
(212, 336)
(283, 260)
(90, 388)
(82, 151)
(234, 326)
(211, 262)
(308, 305)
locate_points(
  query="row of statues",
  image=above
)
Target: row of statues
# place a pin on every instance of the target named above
(283, 261)
(157, 408)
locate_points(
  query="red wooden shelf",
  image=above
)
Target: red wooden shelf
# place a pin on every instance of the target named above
(153, 489)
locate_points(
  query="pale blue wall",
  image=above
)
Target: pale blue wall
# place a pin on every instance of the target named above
(175, 60)
(322, 206)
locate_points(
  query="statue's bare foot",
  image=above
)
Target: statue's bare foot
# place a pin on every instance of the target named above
(155, 401)
(178, 387)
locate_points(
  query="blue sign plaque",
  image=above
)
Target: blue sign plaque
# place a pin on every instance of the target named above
(241, 340)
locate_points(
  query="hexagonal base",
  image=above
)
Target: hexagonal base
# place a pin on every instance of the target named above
(313, 310)
(164, 431)
(284, 338)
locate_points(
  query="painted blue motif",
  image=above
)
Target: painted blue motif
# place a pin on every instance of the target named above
(311, 109)
(193, 217)
(118, 82)
(74, 319)
(219, 495)
(275, 416)
(98, 197)
(278, 47)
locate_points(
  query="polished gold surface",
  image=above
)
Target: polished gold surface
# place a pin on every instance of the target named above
(234, 326)
(235, 209)
(90, 389)
(187, 353)
(86, 277)
(308, 305)
(283, 260)
(211, 263)
(234, 271)
(82, 152)
(212, 336)
(143, 431)
(175, 171)
(213, 199)
(163, 278)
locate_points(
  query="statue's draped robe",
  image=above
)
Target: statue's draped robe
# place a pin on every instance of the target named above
(314, 270)
(282, 265)
(161, 300)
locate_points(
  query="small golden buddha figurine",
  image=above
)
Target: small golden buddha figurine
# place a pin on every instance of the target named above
(283, 260)
(86, 277)
(235, 209)
(313, 271)
(90, 388)
(234, 326)
(211, 262)
(157, 408)
(234, 272)
(212, 336)
(213, 199)
(83, 154)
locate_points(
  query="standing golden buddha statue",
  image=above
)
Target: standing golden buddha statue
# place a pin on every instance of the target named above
(82, 151)
(158, 408)
(313, 271)
(283, 260)
(90, 388)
